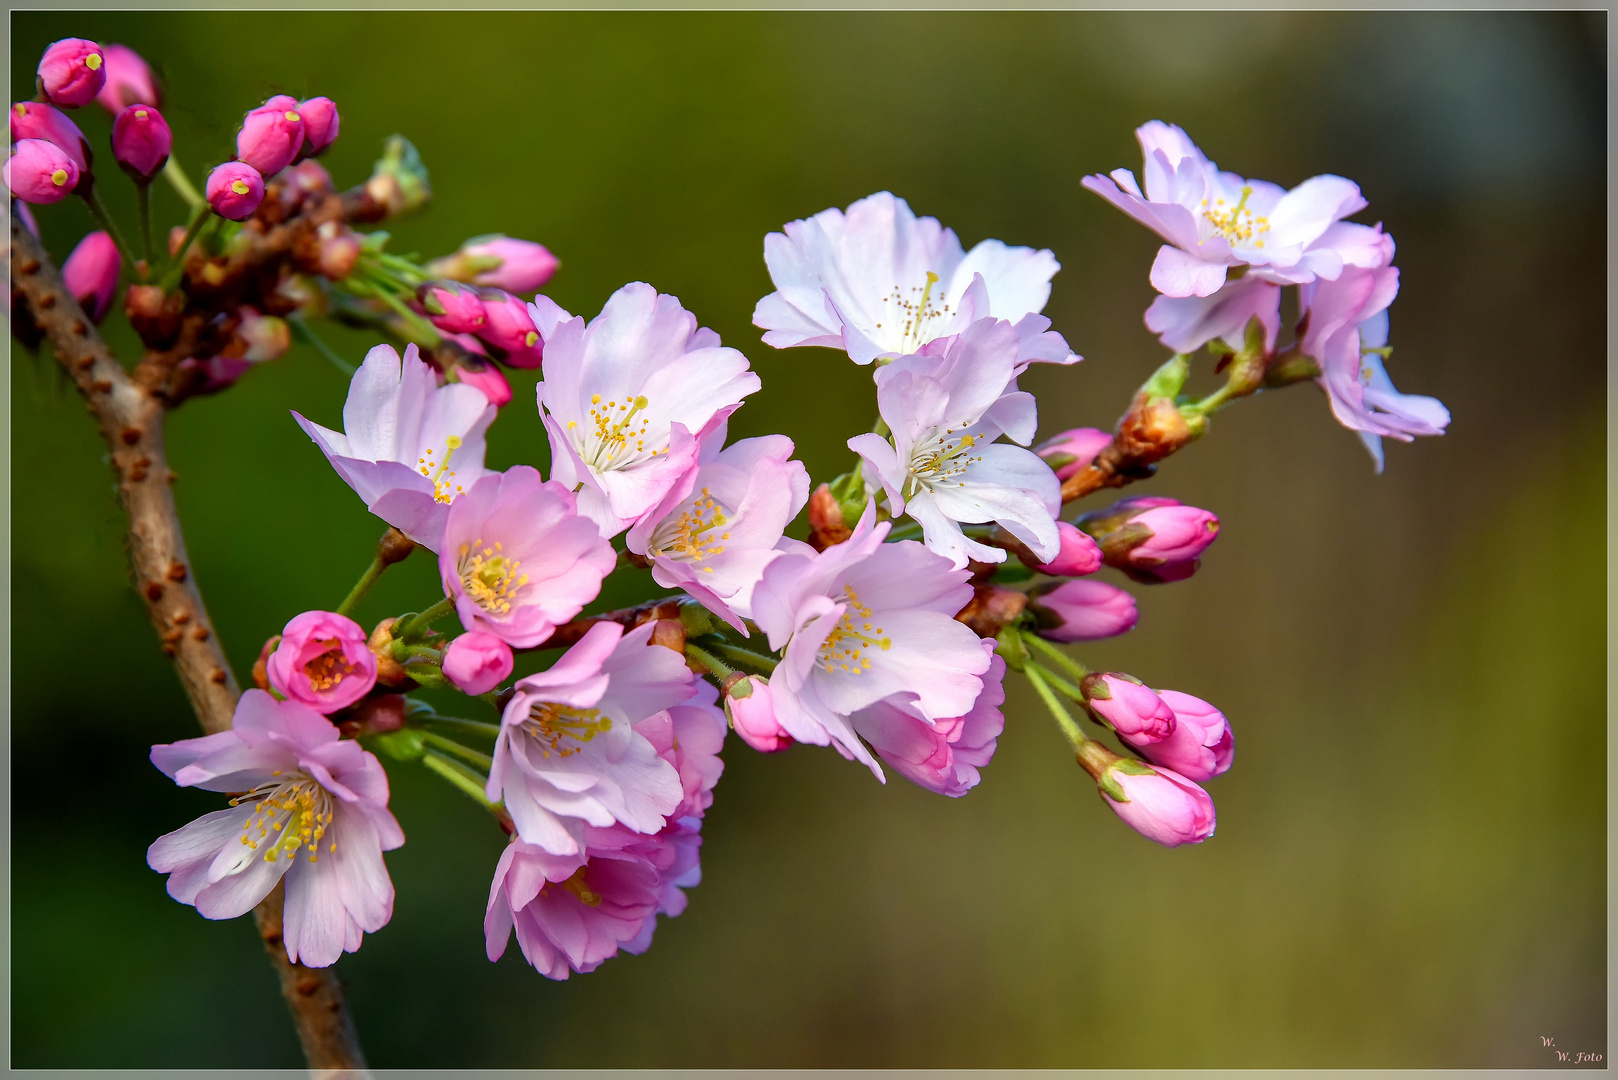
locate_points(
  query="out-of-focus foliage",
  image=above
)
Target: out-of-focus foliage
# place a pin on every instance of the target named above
(1409, 866)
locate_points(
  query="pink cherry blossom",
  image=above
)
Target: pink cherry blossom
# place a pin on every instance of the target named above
(713, 534)
(879, 281)
(1347, 333)
(1214, 220)
(409, 447)
(942, 465)
(323, 662)
(943, 755)
(1187, 323)
(863, 621)
(477, 662)
(626, 398)
(519, 559)
(568, 754)
(689, 737)
(315, 813)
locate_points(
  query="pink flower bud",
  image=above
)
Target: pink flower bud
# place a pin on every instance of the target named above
(1161, 544)
(486, 377)
(320, 124)
(1072, 450)
(1081, 611)
(234, 190)
(40, 172)
(752, 715)
(520, 266)
(36, 120)
(1131, 709)
(129, 80)
(1202, 745)
(1078, 555)
(264, 337)
(477, 662)
(141, 141)
(509, 330)
(90, 274)
(202, 377)
(451, 307)
(1161, 805)
(323, 662)
(72, 72)
(271, 135)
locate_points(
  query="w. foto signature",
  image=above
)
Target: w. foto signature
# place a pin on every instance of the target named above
(1569, 1056)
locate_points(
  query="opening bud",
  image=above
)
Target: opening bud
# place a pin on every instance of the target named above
(477, 662)
(751, 712)
(1202, 745)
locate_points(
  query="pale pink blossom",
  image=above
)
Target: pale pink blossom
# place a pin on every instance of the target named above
(941, 755)
(409, 447)
(863, 621)
(879, 281)
(314, 812)
(1215, 220)
(689, 737)
(1187, 323)
(519, 559)
(713, 534)
(323, 662)
(568, 754)
(627, 397)
(477, 662)
(942, 465)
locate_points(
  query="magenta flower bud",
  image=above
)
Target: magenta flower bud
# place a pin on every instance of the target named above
(509, 330)
(1161, 544)
(129, 80)
(234, 190)
(477, 662)
(486, 377)
(1072, 450)
(451, 307)
(1202, 745)
(1078, 555)
(141, 141)
(323, 662)
(36, 120)
(320, 124)
(40, 172)
(271, 135)
(265, 337)
(1160, 804)
(90, 274)
(752, 715)
(72, 72)
(1081, 611)
(519, 266)
(1130, 709)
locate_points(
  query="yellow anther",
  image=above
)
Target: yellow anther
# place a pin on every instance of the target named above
(93, 61)
(550, 723)
(292, 116)
(59, 177)
(240, 187)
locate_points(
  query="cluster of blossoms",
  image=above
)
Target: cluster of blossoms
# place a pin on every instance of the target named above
(937, 565)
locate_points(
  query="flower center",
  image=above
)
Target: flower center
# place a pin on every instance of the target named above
(941, 459)
(292, 814)
(911, 319)
(329, 668)
(690, 536)
(575, 885)
(1236, 223)
(615, 442)
(490, 577)
(550, 723)
(441, 475)
(846, 645)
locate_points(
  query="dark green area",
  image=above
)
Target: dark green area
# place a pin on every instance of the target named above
(1409, 869)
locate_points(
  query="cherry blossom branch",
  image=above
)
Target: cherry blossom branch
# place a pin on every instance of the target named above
(131, 418)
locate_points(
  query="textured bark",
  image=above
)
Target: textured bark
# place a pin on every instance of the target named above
(131, 420)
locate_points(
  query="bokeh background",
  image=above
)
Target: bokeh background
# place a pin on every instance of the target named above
(1410, 862)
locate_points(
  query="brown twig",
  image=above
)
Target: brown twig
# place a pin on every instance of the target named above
(131, 419)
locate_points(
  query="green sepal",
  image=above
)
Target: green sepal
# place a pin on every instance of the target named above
(401, 745)
(1168, 380)
(1011, 648)
(1012, 573)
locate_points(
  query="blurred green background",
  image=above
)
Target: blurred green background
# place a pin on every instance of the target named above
(1410, 862)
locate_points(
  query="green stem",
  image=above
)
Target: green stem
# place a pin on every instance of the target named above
(716, 667)
(416, 625)
(143, 210)
(1077, 669)
(182, 185)
(363, 585)
(424, 330)
(306, 334)
(455, 723)
(764, 664)
(465, 753)
(98, 210)
(1069, 726)
(459, 775)
(1068, 689)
